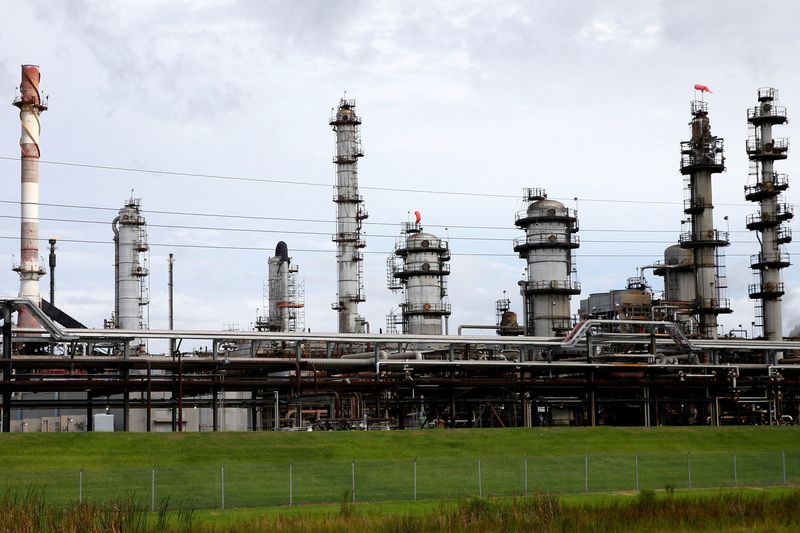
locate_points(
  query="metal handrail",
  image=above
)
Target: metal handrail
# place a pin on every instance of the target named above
(754, 146)
(553, 284)
(548, 213)
(344, 193)
(699, 106)
(533, 194)
(434, 245)
(420, 266)
(758, 288)
(756, 259)
(713, 235)
(712, 303)
(767, 92)
(773, 111)
(547, 239)
(710, 152)
(426, 308)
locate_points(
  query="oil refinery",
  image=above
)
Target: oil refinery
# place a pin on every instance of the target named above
(635, 355)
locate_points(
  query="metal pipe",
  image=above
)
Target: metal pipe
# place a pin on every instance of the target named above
(180, 393)
(149, 395)
(7, 310)
(30, 107)
(115, 318)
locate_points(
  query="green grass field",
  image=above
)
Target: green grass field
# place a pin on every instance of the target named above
(188, 467)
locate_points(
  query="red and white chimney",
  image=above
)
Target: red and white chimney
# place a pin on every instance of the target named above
(30, 106)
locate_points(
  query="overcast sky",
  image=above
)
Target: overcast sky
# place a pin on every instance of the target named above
(588, 100)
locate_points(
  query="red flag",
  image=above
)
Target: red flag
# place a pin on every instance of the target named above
(418, 215)
(702, 88)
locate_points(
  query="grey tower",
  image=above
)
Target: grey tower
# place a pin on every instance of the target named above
(765, 186)
(421, 272)
(701, 157)
(550, 236)
(350, 213)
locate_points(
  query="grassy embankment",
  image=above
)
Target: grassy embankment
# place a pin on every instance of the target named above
(256, 464)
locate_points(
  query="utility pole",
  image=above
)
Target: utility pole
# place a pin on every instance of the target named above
(171, 287)
(52, 271)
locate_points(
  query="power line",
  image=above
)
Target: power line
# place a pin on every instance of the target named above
(318, 250)
(284, 181)
(328, 221)
(318, 233)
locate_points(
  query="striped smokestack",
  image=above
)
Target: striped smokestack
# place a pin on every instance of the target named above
(30, 107)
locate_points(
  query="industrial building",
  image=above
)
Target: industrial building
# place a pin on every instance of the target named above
(637, 355)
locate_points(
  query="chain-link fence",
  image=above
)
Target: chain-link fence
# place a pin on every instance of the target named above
(250, 485)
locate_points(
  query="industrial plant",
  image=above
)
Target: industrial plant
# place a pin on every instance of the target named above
(631, 355)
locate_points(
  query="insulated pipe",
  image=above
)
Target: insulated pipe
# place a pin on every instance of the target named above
(116, 270)
(364, 355)
(30, 107)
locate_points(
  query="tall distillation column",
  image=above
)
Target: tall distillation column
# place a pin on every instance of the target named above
(130, 287)
(30, 106)
(421, 273)
(550, 236)
(765, 187)
(284, 298)
(701, 157)
(350, 213)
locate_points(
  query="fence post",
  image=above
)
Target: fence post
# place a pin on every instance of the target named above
(689, 467)
(783, 466)
(291, 496)
(153, 490)
(80, 486)
(637, 472)
(222, 486)
(525, 470)
(735, 473)
(586, 473)
(480, 483)
(353, 479)
(415, 479)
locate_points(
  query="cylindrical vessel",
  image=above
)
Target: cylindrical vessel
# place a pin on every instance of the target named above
(766, 187)
(349, 216)
(279, 300)
(422, 275)
(701, 158)
(550, 230)
(130, 241)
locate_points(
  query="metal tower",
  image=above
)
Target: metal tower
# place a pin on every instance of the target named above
(284, 298)
(550, 236)
(130, 268)
(701, 157)
(30, 106)
(765, 187)
(420, 266)
(350, 213)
